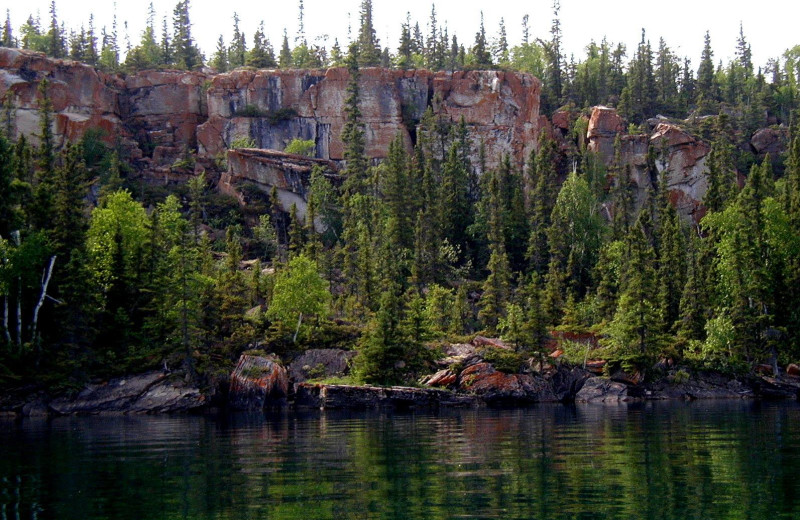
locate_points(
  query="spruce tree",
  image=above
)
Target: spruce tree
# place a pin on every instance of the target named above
(45, 164)
(187, 55)
(237, 50)
(353, 139)
(8, 32)
(369, 49)
(480, 50)
(637, 327)
(542, 200)
(705, 74)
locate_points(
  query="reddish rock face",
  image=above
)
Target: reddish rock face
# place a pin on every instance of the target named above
(677, 151)
(257, 382)
(771, 141)
(164, 108)
(604, 125)
(273, 107)
(82, 96)
(289, 174)
(155, 113)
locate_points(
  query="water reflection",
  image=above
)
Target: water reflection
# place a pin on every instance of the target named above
(656, 460)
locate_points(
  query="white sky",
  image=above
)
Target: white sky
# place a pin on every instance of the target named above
(771, 28)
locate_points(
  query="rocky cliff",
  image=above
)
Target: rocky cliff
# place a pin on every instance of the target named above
(682, 155)
(158, 115)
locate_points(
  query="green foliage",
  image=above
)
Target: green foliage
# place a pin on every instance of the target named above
(300, 296)
(116, 239)
(242, 141)
(503, 360)
(301, 147)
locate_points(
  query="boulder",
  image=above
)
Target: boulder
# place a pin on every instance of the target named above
(566, 382)
(480, 341)
(320, 362)
(442, 379)
(257, 383)
(701, 385)
(793, 370)
(772, 141)
(562, 119)
(152, 392)
(601, 390)
(498, 388)
(777, 388)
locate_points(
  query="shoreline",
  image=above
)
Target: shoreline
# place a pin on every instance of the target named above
(159, 393)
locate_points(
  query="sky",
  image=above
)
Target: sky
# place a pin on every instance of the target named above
(682, 23)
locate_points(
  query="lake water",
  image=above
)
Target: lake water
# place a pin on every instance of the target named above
(662, 461)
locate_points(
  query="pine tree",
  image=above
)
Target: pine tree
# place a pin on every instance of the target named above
(55, 38)
(721, 169)
(480, 52)
(237, 50)
(8, 32)
(495, 290)
(45, 170)
(694, 303)
(369, 49)
(260, 56)
(543, 177)
(555, 76)
(68, 224)
(353, 138)
(219, 61)
(671, 258)
(285, 59)
(501, 54)
(455, 207)
(167, 48)
(383, 355)
(637, 325)
(705, 74)
(187, 55)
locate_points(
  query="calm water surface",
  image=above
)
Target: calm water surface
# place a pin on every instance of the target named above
(666, 460)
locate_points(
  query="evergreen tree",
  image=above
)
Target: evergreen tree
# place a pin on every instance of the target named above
(353, 138)
(285, 59)
(261, 55)
(554, 78)
(187, 55)
(237, 50)
(543, 178)
(721, 169)
(481, 56)
(219, 61)
(705, 74)
(501, 55)
(637, 325)
(369, 49)
(45, 171)
(671, 258)
(8, 32)
(167, 48)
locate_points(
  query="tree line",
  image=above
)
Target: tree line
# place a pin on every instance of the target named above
(99, 275)
(642, 82)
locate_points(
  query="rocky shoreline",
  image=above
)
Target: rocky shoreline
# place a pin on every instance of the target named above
(259, 383)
